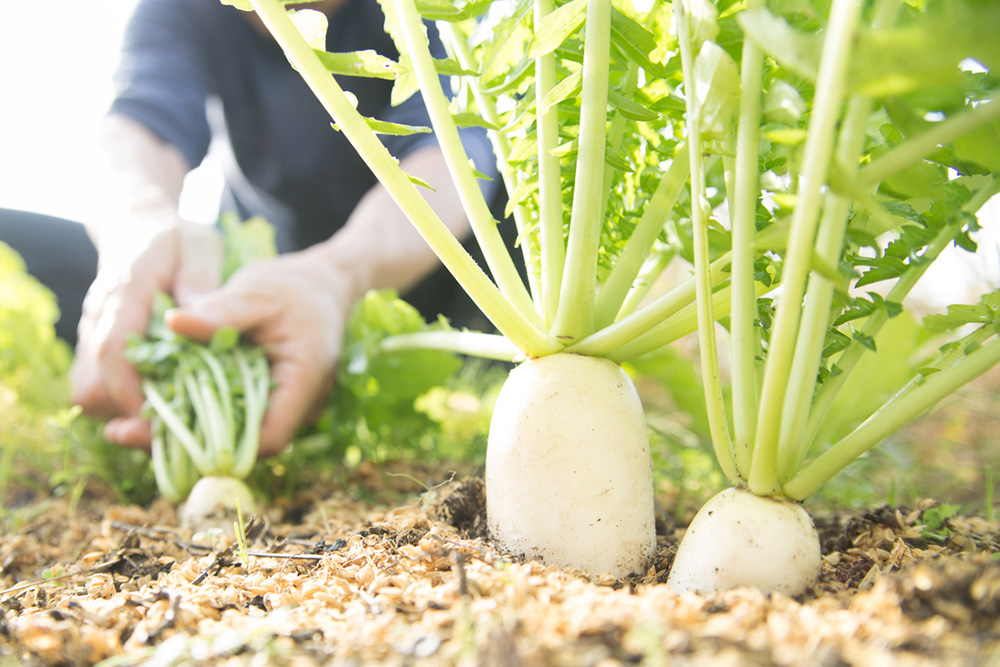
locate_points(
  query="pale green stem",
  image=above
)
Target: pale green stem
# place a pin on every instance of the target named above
(618, 283)
(851, 356)
(484, 225)
(256, 387)
(708, 347)
(219, 376)
(743, 313)
(224, 438)
(819, 298)
(816, 161)
(177, 428)
(207, 418)
(575, 314)
(471, 343)
(646, 279)
(550, 234)
(917, 148)
(616, 133)
(684, 323)
(603, 342)
(507, 318)
(163, 472)
(900, 410)
(501, 145)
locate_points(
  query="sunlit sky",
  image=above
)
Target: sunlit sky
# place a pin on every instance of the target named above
(56, 61)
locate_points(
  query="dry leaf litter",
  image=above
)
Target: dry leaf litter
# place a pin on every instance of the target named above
(336, 580)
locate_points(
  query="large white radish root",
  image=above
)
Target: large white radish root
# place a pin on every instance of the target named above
(211, 505)
(741, 540)
(568, 470)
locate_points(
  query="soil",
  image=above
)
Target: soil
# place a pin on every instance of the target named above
(378, 570)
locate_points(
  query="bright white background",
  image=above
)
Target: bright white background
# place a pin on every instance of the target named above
(56, 62)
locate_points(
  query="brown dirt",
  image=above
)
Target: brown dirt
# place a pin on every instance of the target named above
(378, 571)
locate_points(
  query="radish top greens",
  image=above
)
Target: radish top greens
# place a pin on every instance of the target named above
(808, 158)
(205, 402)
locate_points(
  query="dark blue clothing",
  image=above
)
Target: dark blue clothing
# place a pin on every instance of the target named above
(181, 57)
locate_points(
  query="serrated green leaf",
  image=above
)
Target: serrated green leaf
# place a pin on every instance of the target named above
(523, 149)
(797, 51)
(469, 119)
(959, 315)
(394, 129)
(525, 188)
(636, 42)
(446, 10)
(365, 63)
(631, 109)
(556, 27)
(569, 86)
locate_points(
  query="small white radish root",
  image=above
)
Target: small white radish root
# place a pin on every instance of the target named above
(568, 470)
(211, 505)
(739, 540)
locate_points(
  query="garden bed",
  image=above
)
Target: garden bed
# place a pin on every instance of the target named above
(377, 569)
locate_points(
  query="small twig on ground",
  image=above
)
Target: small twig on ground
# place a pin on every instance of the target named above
(94, 569)
(163, 534)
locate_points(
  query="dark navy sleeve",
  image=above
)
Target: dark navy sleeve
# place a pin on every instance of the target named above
(160, 80)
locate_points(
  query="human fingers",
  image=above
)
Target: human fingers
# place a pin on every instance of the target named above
(279, 306)
(104, 383)
(131, 432)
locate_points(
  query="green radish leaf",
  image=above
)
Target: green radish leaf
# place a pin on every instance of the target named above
(469, 119)
(446, 10)
(394, 129)
(403, 88)
(570, 86)
(717, 90)
(524, 149)
(524, 189)
(365, 63)
(797, 51)
(245, 242)
(981, 146)
(629, 108)
(395, 377)
(556, 27)
(865, 340)
(224, 339)
(636, 42)
(927, 52)
(506, 53)
(959, 315)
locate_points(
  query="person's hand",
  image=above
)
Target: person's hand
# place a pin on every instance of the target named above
(182, 259)
(295, 307)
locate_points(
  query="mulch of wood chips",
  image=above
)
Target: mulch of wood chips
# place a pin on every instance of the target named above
(333, 578)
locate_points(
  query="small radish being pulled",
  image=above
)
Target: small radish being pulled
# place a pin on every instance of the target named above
(206, 402)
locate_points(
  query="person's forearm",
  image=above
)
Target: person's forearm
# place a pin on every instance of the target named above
(149, 175)
(378, 248)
